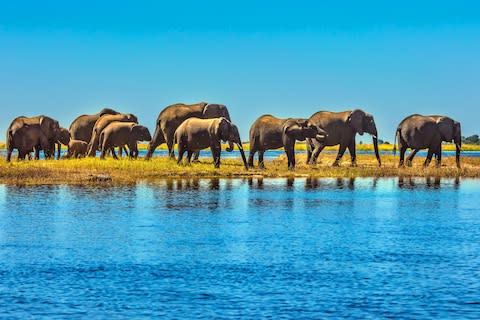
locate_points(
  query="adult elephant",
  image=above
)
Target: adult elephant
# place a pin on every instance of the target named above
(101, 124)
(427, 132)
(27, 139)
(49, 127)
(269, 132)
(195, 134)
(172, 116)
(82, 127)
(342, 128)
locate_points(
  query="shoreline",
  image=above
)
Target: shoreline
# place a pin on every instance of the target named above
(125, 171)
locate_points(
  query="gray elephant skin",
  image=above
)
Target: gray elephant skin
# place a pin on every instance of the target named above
(48, 126)
(342, 128)
(119, 134)
(172, 116)
(82, 127)
(427, 132)
(269, 132)
(101, 124)
(195, 134)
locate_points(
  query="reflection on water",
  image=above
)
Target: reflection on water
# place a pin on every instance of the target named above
(253, 247)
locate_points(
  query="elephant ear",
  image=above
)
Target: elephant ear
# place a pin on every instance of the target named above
(222, 129)
(356, 120)
(446, 128)
(132, 118)
(49, 126)
(291, 128)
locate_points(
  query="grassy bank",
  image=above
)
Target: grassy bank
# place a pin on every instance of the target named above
(130, 171)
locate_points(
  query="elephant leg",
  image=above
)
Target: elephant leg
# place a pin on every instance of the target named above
(411, 156)
(403, 149)
(216, 150)
(341, 151)
(290, 151)
(181, 151)
(189, 156)
(251, 155)
(439, 157)
(9, 153)
(261, 163)
(429, 157)
(113, 153)
(353, 152)
(196, 155)
(316, 152)
(37, 153)
(309, 150)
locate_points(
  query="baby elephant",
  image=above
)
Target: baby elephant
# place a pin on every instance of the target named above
(195, 134)
(77, 149)
(119, 134)
(269, 132)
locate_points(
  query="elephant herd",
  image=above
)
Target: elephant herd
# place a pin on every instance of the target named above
(199, 126)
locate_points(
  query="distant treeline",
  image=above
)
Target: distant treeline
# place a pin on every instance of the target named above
(471, 140)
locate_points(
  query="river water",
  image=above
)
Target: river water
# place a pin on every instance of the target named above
(246, 248)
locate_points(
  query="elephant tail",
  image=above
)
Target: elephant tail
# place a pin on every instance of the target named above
(397, 133)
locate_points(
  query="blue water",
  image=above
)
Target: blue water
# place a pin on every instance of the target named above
(273, 154)
(292, 248)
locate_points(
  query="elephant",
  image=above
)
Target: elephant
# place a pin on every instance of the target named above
(77, 149)
(101, 124)
(119, 134)
(172, 116)
(82, 127)
(421, 132)
(269, 132)
(48, 126)
(27, 139)
(341, 128)
(195, 134)
(63, 137)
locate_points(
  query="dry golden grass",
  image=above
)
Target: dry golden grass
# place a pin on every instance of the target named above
(81, 171)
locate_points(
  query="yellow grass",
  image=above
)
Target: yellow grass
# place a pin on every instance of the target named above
(81, 171)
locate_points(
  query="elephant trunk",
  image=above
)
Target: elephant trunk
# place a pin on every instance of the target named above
(242, 153)
(458, 147)
(230, 146)
(375, 146)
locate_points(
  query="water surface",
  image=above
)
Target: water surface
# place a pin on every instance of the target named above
(299, 248)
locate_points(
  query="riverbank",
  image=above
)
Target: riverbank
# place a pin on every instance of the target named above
(84, 171)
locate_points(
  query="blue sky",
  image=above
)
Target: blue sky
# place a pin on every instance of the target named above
(287, 58)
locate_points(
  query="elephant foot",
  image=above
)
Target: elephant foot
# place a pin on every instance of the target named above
(291, 168)
(196, 161)
(336, 164)
(353, 165)
(409, 163)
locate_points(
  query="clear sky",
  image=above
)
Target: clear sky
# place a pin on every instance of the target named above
(287, 58)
